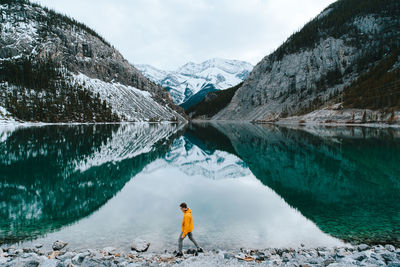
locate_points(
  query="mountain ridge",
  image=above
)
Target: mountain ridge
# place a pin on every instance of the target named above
(189, 79)
(32, 33)
(316, 63)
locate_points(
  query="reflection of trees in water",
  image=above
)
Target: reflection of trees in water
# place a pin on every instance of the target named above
(40, 187)
(349, 185)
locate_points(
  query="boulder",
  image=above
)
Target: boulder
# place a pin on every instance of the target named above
(140, 245)
(59, 245)
(362, 247)
(390, 248)
(78, 258)
(387, 256)
(359, 256)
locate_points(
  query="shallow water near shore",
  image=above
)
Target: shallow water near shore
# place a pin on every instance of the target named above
(248, 185)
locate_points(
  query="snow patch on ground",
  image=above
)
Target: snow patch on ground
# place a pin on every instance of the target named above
(325, 13)
(128, 102)
(5, 116)
(368, 24)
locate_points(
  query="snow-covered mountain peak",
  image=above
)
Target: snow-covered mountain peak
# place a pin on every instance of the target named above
(191, 78)
(216, 64)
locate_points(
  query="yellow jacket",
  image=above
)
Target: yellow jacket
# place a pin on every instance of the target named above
(187, 223)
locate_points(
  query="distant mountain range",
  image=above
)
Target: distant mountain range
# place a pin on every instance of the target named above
(190, 83)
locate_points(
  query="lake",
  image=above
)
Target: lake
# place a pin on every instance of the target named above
(253, 186)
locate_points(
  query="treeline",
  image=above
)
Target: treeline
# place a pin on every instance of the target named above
(376, 89)
(213, 103)
(42, 91)
(51, 19)
(336, 23)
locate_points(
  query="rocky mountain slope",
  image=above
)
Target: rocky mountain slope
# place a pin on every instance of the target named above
(55, 64)
(315, 64)
(191, 79)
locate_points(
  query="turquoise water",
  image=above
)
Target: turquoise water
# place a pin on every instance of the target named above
(248, 185)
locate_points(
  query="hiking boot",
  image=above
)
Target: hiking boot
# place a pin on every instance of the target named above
(179, 254)
(200, 250)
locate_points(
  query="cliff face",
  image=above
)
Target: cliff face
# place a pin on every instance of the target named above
(315, 64)
(31, 31)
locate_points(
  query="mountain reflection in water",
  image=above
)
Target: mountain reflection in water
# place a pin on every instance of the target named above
(100, 185)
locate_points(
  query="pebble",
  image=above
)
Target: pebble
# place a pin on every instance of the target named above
(362, 247)
(371, 256)
(140, 245)
(59, 245)
(390, 248)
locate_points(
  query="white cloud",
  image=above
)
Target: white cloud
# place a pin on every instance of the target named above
(169, 33)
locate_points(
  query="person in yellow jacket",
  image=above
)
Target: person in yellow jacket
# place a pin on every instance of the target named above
(187, 228)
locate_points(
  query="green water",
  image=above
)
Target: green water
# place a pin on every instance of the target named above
(95, 185)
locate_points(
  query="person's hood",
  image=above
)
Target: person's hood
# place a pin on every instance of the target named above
(188, 211)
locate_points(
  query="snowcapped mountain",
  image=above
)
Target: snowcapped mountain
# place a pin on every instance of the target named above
(191, 78)
(47, 58)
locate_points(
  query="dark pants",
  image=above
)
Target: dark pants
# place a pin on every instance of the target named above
(190, 235)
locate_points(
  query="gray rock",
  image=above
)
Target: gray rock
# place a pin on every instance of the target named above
(59, 245)
(324, 254)
(88, 262)
(38, 252)
(359, 256)
(301, 258)
(394, 264)
(373, 262)
(27, 255)
(12, 252)
(140, 245)
(390, 248)
(328, 261)
(341, 253)
(316, 261)
(66, 256)
(313, 253)
(49, 263)
(109, 250)
(38, 245)
(362, 247)
(32, 263)
(286, 257)
(27, 250)
(387, 256)
(78, 258)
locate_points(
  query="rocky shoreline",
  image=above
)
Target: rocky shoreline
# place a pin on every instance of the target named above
(61, 255)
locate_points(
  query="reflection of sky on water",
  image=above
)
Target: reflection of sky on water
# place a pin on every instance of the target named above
(228, 213)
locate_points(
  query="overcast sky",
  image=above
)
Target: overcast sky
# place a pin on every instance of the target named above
(170, 33)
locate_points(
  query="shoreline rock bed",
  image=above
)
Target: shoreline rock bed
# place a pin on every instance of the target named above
(60, 256)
